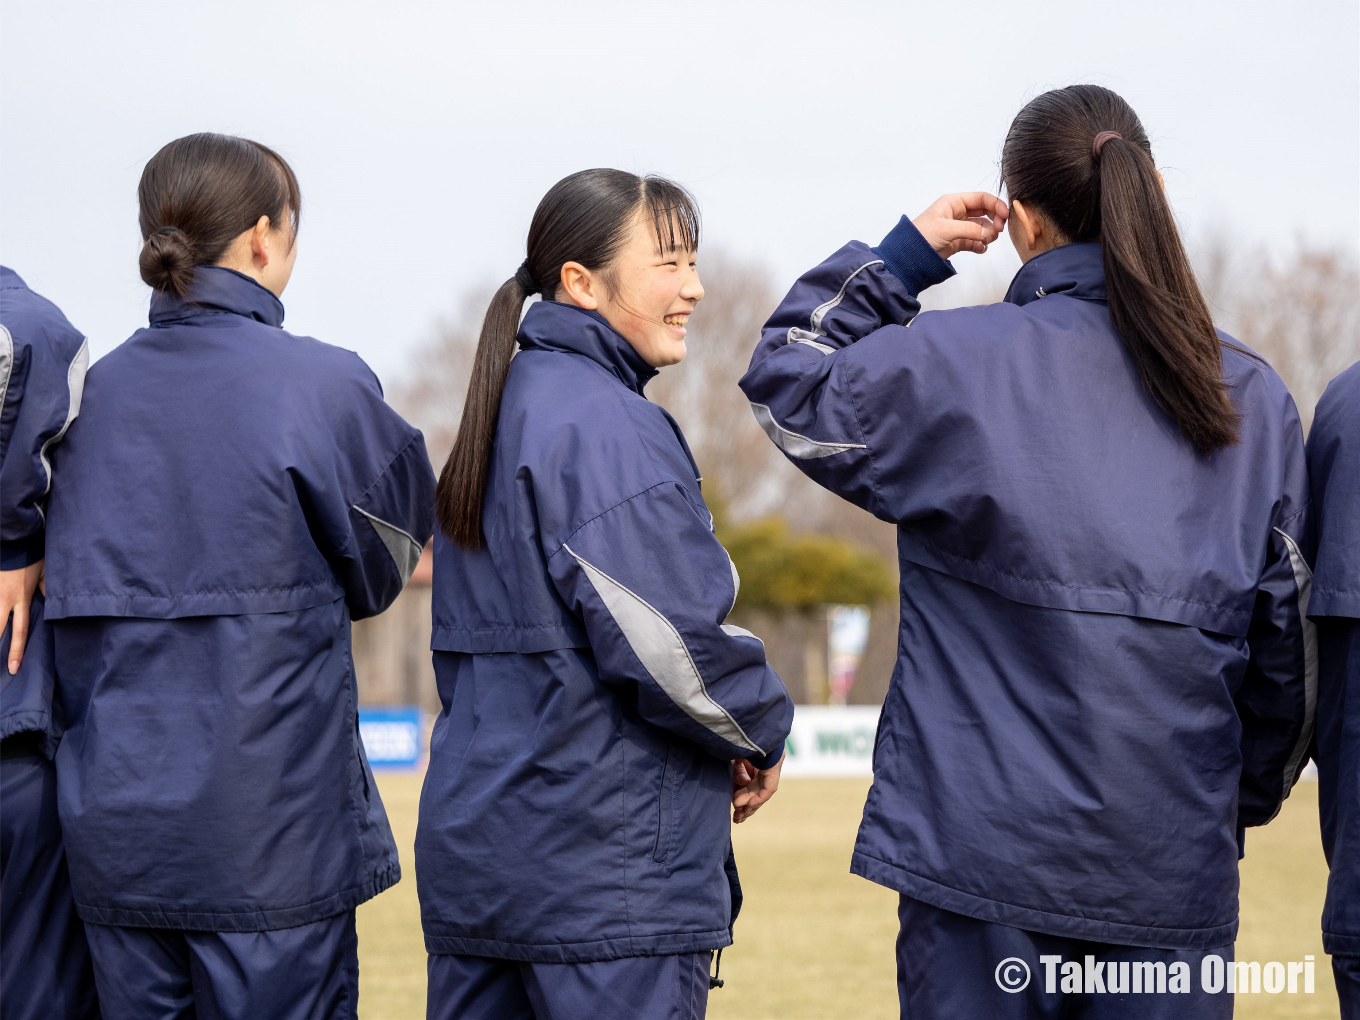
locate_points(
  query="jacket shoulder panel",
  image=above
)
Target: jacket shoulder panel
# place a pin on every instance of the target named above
(562, 413)
(29, 317)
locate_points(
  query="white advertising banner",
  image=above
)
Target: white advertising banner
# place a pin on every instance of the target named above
(831, 740)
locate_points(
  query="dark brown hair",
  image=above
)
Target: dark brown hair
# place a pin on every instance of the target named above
(583, 218)
(1112, 193)
(201, 192)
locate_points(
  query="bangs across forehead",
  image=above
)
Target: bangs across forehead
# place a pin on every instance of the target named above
(674, 215)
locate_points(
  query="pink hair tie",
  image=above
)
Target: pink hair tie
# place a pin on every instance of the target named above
(1100, 141)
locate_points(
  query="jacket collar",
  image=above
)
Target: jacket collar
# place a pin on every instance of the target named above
(217, 289)
(1076, 270)
(554, 326)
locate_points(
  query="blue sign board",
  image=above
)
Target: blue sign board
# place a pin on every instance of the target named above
(391, 735)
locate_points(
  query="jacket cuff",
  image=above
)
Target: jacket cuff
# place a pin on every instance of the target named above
(911, 259)
(23, 552)
(770, 760)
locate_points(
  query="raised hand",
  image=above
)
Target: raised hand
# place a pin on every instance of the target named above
(967, 221)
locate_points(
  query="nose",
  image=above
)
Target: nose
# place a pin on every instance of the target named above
(692, 289)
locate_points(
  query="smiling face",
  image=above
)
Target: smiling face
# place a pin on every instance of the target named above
(645, 294)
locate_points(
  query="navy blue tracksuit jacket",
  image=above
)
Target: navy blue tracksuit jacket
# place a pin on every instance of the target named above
(230, 498)
(1104, 667)
(45, 966)
(43, 360)
(1334, 468)
(576, 803)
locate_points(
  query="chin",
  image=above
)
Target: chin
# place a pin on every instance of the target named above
(673, 353)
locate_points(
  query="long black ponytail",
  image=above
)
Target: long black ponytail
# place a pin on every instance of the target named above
(583, 218)
(1081, 157)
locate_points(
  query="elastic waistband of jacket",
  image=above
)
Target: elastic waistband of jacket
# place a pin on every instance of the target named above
(262, 919)
(578, 952)
(1047, 922)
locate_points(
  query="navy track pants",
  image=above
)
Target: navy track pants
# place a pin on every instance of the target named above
(306, 973)
(634, 988)
(45, 969)
(950, 967)
(1346, 972)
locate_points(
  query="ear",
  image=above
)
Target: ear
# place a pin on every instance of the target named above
(1031, 224)
(259, 242)
(579, 286)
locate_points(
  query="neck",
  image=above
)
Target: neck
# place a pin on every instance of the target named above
(247, 267)
(1041, 244)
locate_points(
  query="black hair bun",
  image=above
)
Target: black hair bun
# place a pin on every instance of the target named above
(167, 260)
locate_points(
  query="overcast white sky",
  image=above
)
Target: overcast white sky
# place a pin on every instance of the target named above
(424, 134)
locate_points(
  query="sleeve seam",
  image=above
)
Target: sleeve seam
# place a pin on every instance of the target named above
(595, 517)
(381, 474)
(1300, 510)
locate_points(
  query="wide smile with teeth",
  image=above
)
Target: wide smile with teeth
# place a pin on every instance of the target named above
(676, 320)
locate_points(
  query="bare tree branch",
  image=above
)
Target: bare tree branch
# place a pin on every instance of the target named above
(431, 394)
(1299, 311)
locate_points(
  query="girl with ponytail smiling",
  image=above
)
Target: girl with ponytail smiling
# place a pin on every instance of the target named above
(1106, 672)
(574, 854)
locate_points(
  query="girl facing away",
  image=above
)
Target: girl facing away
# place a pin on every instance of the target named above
(574, 852)
(229, 499)
(1105, 669)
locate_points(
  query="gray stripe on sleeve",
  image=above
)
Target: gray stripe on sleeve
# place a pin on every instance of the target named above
(800, 447)
(732, 630)
(1303, 579)
(404, 550)
(663, 654)
(822, 311)
(6, 361)
(75, 386)
(803, 336)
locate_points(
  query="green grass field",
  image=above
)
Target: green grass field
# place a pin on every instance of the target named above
(816, 943)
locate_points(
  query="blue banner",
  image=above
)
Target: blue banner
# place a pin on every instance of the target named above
(392, 735)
